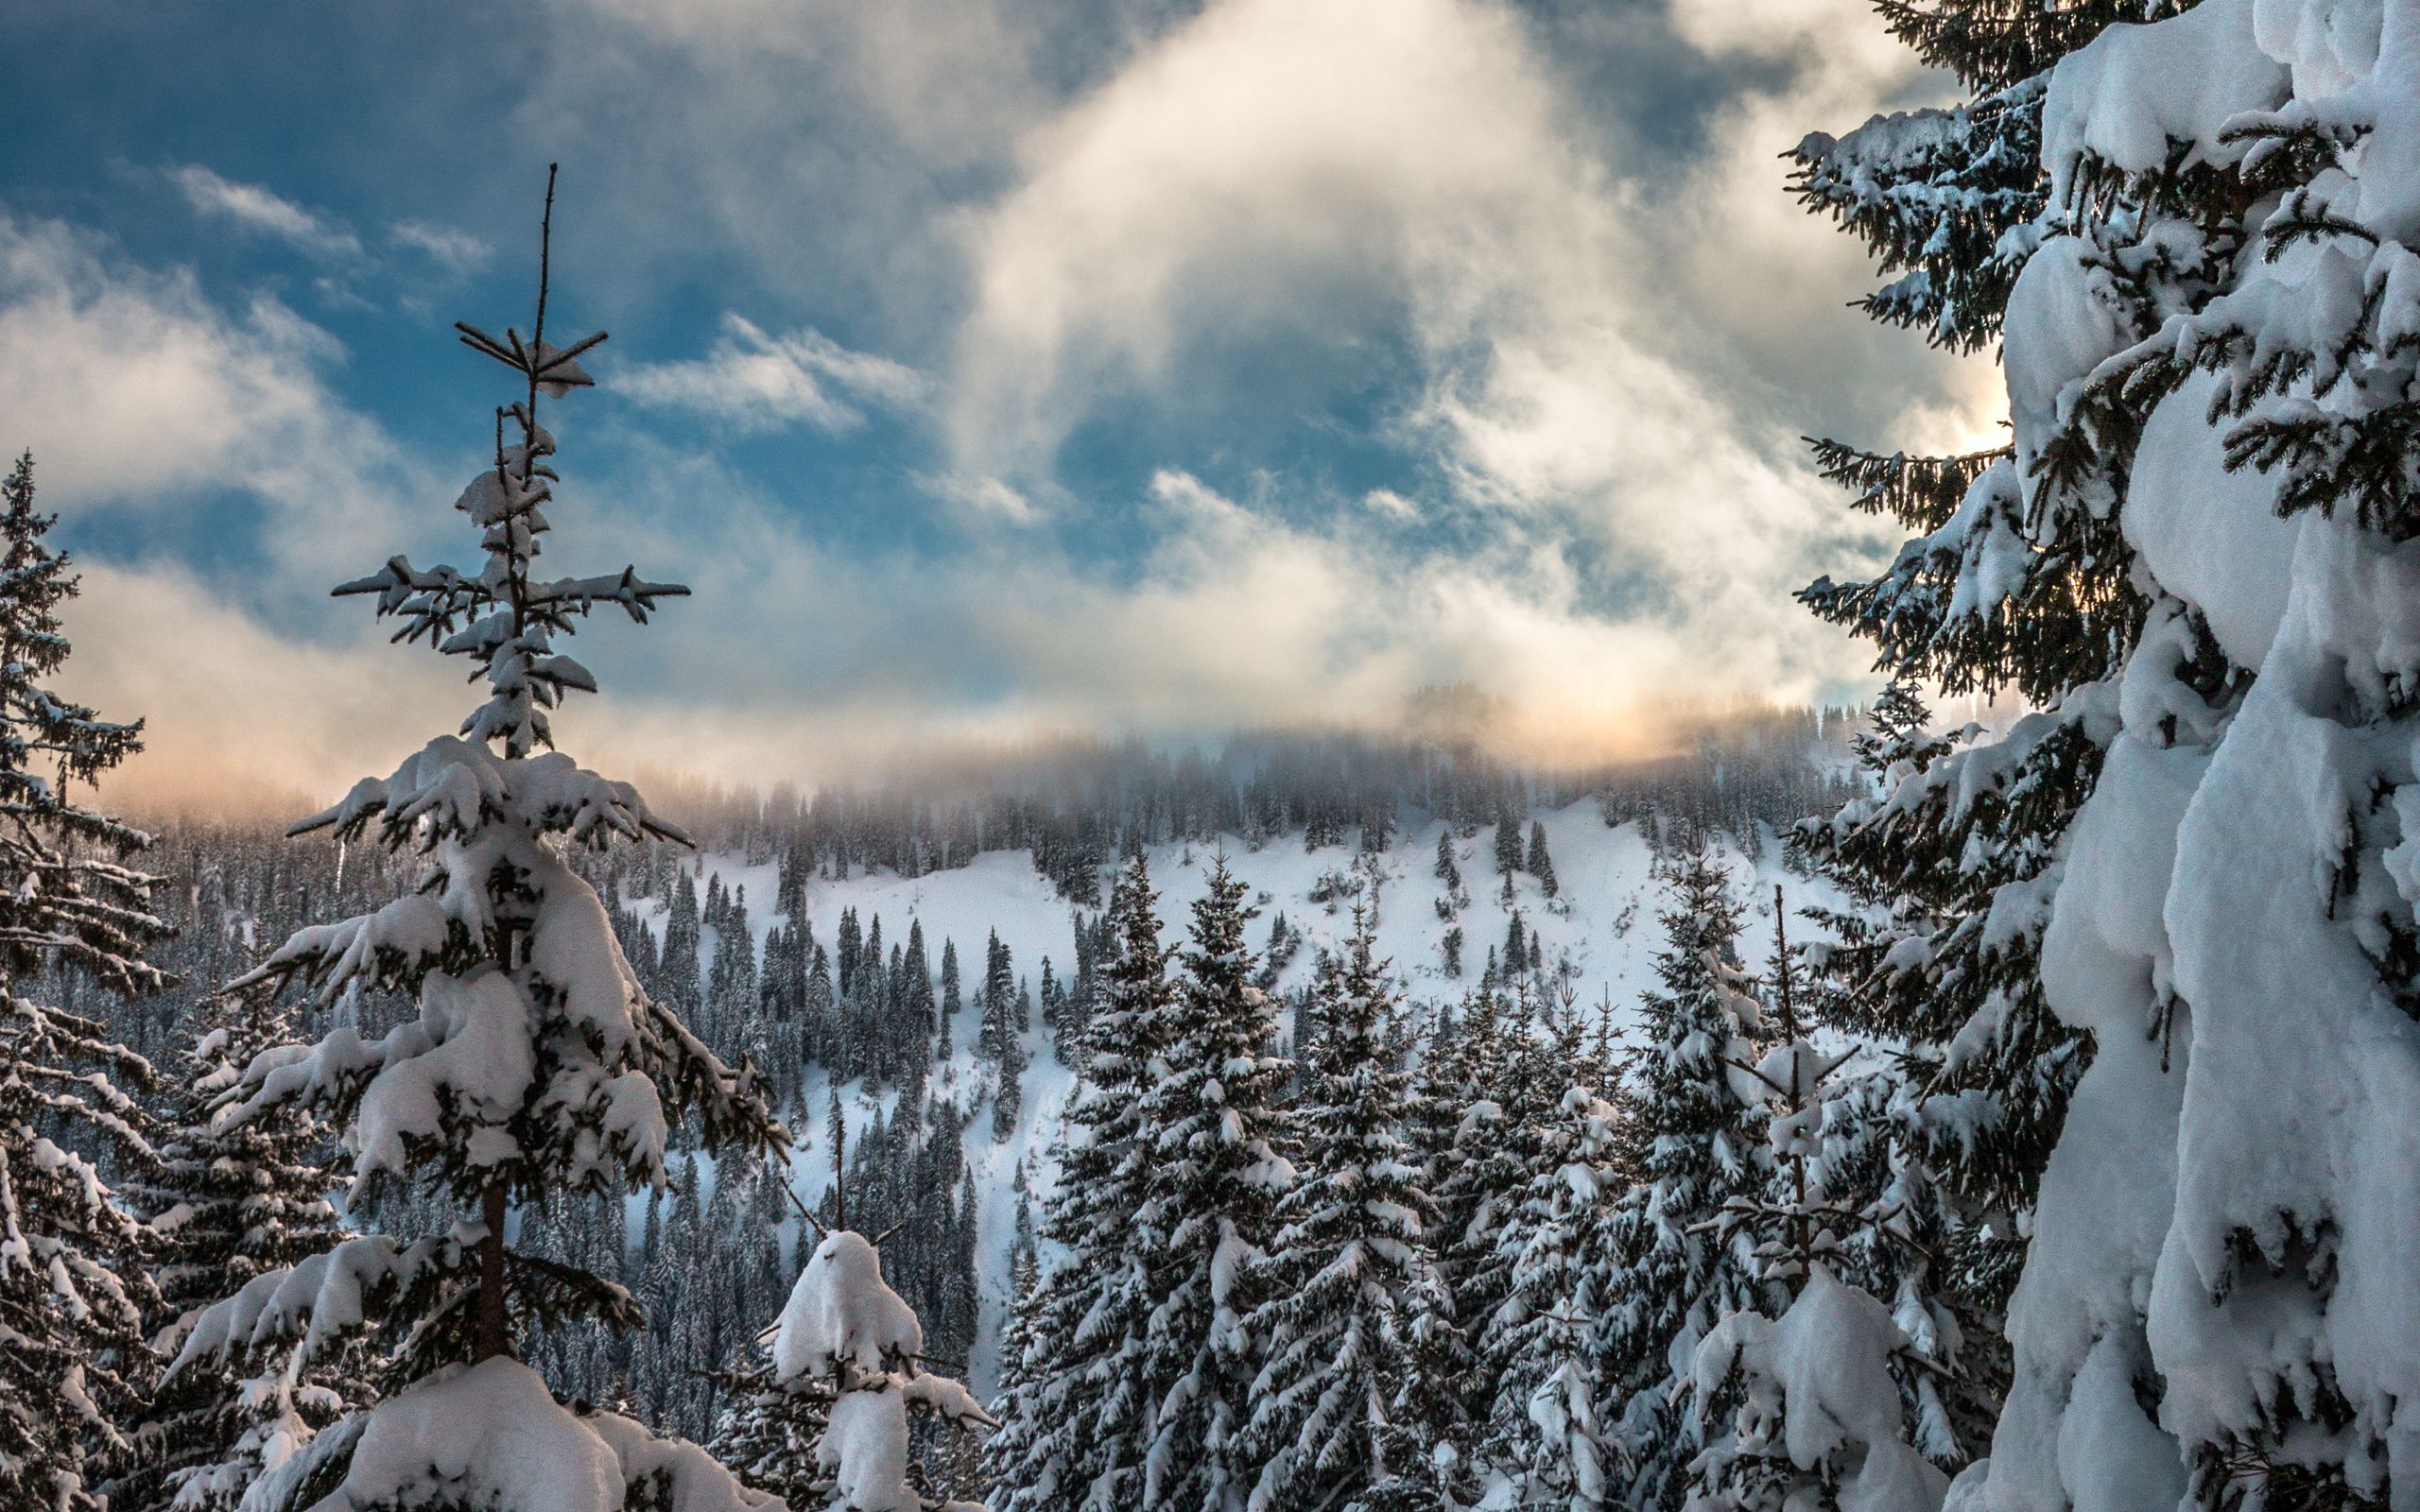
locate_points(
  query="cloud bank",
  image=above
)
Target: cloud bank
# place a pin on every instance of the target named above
(1591, 354)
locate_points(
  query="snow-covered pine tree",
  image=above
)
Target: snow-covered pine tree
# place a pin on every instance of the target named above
(1486, 1103)
(2193, 565)
(999, 992)
(535, 1064)
(1540, 863)
(1449, 872)
(72, 1288)
(1354, 1325)
(1008, 1096)
(1516, 946)
(1954, 202)
(226, 1205)
(1216, 1141)
(1949, 198)
(1700, 1144)
(1888, 1132)
(922, 1007)
(1826, 1399)
(1548, 1441)
(768, 1432)
(852, 1349)
(732, 1002)
(1075, 1420)
(1017, 1353)
(949, 1004)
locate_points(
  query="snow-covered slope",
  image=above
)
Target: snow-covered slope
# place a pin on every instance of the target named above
(1604, 922)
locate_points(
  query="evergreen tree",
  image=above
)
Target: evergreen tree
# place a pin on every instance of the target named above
(999, 991)
(1887, 1142)
(829, 1424)
(1008, 1098)
(1483, 1104)
(1821, 1393)
(2155, 924)
(1956, 203)
(1076, 1417)
(1354, 1325)
(951, 987)
(535, 1066)
(1216, 1141)
(769, 1433)
(1447, 870)
(1548, 1435)
(1517, 947)
(1701, 1146)
(922, 1009)
(683, 938)
(1541, 864)
(851, 949)
(1508, 855)
(731, 998)
(228, 1205)
(72, 1291)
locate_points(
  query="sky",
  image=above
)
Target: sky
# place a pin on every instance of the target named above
(988, 367)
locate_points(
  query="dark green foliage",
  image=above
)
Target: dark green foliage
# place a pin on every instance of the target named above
(229, 1204)
(72, 1292)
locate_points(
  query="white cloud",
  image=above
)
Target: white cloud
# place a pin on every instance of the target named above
(456, 251)
(1271, 167)
(754, 381)
(984, 497)
(265, 212)
(1598, 375)
(135, 392)
(132, 385)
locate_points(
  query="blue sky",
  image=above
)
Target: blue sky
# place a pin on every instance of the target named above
(988, 367)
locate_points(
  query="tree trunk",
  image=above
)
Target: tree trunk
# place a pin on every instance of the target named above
(492, 1337)
(493, 1327)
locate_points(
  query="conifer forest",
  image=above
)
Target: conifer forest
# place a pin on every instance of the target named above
(1347, 983)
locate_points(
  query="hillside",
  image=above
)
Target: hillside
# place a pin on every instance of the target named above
(1602, 922)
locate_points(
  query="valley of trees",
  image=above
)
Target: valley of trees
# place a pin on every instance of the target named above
(446, 1156)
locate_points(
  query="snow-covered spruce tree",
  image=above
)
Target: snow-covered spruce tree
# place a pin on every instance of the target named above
(535, 1065)
(1216, 1138)
(2197, 563)
(1541, 864)
(1886, 1133)
(1948, 199)
(1075, 1420)
(72, 1292)
(768, 1432)
(1953, 201)
(1354, 1326)
(1008, 1097)
(1700, 1144)
(1449, 872)
(1822, 1402)
(1487, 1105)
(226, 1203)
(828, 1426)
(1548, 1441)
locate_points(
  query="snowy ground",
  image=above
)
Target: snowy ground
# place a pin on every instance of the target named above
(1604, 922)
